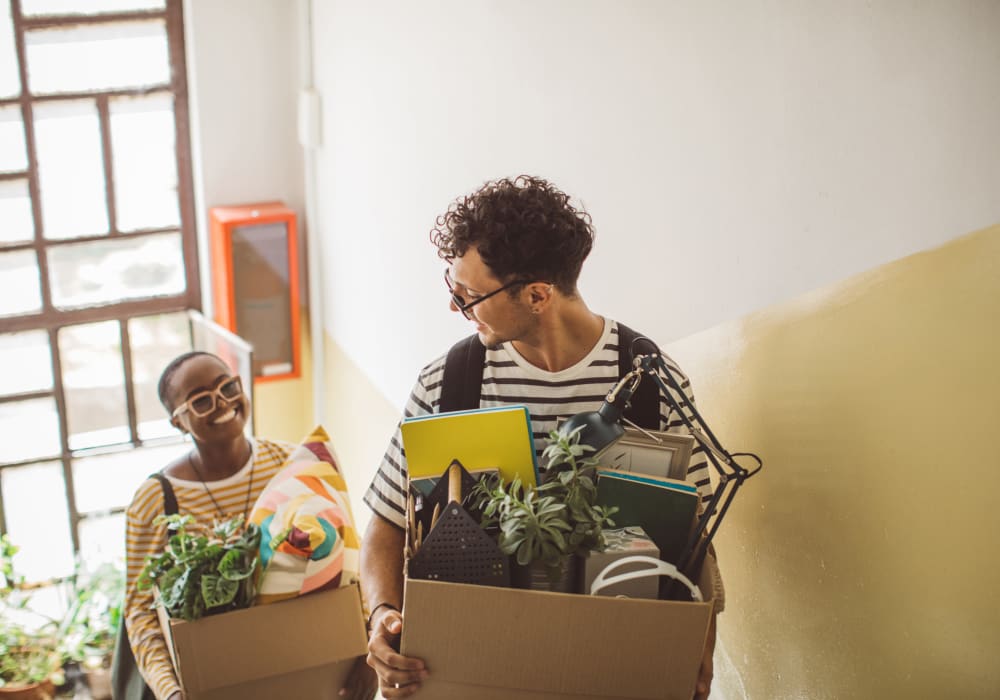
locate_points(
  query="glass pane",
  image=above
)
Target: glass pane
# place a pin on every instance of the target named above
(43, 534)
(97, 57)
(30, 428)
(10, 81)
(102, 540)
(155, 341)
(70, 169)
(94, 384)
(109, 481)
(33, 8)
(13, 157)
(15, 212)
(145, 162)
(26, 361)
(20, 285)
(100, 272)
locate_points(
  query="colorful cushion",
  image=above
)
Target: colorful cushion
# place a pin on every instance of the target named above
(308, 540)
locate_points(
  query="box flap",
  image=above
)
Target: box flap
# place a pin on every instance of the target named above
(268, 640)
(532, 644)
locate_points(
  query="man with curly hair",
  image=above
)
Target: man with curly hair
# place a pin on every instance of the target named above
(514, 250)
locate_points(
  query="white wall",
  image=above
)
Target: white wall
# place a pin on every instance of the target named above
(732, 154)
(243, 70)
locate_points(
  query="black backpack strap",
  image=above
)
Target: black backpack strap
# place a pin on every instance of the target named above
(169, 499)
(644, 406)
(462, 383)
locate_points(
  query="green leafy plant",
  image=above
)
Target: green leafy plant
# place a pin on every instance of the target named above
(29, 648)
(87, 632)
(201, 575)
(558, 519)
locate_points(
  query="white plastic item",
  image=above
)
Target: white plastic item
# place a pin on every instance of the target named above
(655, 568)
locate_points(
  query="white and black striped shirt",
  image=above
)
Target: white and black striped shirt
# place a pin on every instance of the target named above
(551, 397)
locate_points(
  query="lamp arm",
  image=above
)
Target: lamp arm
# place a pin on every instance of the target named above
(731, 477)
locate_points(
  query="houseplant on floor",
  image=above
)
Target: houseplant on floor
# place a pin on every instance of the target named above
(546, 529)
(30, 661)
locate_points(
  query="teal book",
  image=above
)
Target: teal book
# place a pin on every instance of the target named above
(664, 508)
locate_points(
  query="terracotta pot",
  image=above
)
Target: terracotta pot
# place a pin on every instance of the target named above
(36, 691)
(99, 682)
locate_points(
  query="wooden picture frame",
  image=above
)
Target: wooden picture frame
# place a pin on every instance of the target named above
(667, 455)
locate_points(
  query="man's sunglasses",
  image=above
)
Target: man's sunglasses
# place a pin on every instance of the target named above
(204, 402)
(464, 306)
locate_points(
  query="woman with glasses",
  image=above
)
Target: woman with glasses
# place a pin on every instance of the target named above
(220, 477)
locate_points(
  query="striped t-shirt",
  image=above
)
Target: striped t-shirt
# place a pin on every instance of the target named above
(551, 397)
(235, 495)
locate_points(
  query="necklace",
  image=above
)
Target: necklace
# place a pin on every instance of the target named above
(246, 502)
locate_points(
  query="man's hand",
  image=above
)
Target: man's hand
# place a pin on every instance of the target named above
(704, 685)
(361, 682)
(399, 676)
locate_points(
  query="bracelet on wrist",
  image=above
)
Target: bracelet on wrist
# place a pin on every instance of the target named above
(375, 610)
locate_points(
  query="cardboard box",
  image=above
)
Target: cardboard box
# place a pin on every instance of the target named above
(298, 648)
(503, 643)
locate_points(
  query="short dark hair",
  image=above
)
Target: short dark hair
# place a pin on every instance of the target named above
(171, 369)
(523, 228)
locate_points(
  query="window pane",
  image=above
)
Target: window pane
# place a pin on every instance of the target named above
(86, 7)
(12, 153)
(31, 430)
(100, 272)
(70, 169)
(145, 162)
(155, 341)
(20, 290)
(34, 502)
(15, 212)
(109, 481)
(87, 58)
(94, 384)
(26, 361)
(10, 81)
(102, 540)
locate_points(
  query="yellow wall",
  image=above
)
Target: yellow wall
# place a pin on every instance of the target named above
(284, 407)
(862, 562)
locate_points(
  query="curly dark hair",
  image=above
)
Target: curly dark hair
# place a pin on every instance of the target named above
(523, 228)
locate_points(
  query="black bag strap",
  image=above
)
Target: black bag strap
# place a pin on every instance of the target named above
(461, 385)
(643, 407)
(169, 499)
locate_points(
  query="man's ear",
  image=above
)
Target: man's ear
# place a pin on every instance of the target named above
(539, 292)
(176, 422)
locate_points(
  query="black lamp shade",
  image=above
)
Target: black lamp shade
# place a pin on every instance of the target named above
(601, 428)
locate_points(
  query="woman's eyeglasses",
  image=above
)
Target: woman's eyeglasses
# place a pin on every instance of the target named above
(463, 305)
(203, 403)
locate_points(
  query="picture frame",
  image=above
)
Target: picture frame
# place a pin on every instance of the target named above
(653, 452)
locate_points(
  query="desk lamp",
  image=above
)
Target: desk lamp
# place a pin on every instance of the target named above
(603, 427)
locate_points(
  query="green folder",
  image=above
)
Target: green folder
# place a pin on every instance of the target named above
(664, 508)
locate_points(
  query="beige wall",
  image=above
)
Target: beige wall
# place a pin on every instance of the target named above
(861, 562)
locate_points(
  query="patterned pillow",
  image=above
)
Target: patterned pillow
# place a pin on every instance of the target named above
(308, 540)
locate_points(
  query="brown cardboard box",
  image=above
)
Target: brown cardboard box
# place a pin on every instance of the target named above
(502, 643)
(300, 648)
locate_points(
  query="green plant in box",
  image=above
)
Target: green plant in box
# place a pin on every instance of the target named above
(201, 575)
(558, 519)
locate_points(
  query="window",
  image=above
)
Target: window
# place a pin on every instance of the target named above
(98, 265)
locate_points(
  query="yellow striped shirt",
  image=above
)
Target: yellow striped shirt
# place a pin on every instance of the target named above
(143, 539)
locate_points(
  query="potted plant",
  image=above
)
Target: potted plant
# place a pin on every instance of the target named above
(30, 661)
(545, 529)
(203, 575)
(87, 632)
